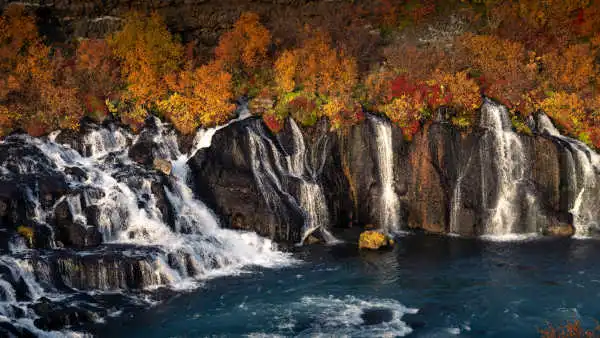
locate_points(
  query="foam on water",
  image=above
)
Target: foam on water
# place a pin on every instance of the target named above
(343, 316)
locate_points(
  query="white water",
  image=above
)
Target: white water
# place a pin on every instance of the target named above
(583, 166)
(272, 179)
(456, 204)
(128, 214)
(505, 148)
(388, 203)
(312, 199)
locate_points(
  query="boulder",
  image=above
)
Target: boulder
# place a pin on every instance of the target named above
(374, 240)
(559, 230)
(163, 166)
(375, 316)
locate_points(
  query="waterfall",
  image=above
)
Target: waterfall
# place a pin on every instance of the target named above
(312, 199)
(388, 202)
(583, 166)
(505, 148)
(273, 178)
(125, 199)
(456, 204)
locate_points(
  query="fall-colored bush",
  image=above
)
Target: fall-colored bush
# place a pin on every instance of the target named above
(320, 73)
(570, 329)
(273, 122)
(243, 51)
(317, 68)
(34, 89)
(201, 97)
(148, 53)
(97, 76)
(567, 110)
(245, 46)
(571, 69)
(501, 67)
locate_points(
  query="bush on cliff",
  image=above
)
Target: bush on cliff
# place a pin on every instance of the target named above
(334, 67)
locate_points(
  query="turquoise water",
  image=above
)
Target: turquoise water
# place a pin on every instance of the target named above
(426, 287)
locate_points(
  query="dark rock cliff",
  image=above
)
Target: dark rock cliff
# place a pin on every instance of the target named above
(446, 180)
(202, 21)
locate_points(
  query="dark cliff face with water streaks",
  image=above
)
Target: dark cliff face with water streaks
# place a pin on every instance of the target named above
(484, 181)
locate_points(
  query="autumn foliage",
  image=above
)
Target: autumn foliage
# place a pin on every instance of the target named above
(570, 329)
(390, 57)
(201, 97)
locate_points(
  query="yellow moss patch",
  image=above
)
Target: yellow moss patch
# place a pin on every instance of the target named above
(27, 233)
(374, 240)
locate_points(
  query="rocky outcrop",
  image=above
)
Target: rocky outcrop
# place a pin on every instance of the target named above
(225, 181)
(446, 180)
(196, 20)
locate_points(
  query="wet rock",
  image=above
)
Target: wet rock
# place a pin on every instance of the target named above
(559, 230)
(73, 233)
(76, 173)
(163, 166)
(225, 182)
(375, 316)
(9, 330)
(57, 315)
(141, 152)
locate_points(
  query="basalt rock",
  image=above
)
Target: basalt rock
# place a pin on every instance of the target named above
(446, 179)
(225, 181)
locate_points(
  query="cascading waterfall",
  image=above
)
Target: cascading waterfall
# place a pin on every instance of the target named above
(272, 178)
(389, 203)
(583, 168)
(312, 199)
(504, 147)
(124, 197)
(456, 204)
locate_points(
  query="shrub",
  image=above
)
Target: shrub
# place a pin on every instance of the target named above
(273, 122)
(202, 97)
(245, 46)
(148, 53)
(567, 110)
(242, 52)
(571, 69)
(406, 113)
(571, 329)
(504, 71)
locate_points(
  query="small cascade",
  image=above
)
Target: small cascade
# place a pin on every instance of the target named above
(389, 203)
(100, 142)
(155, 232)
(312, 199)
(457, 204)
(504, 147)
(272, 178)
(583, 166)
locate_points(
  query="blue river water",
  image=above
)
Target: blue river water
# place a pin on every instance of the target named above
(427, 286)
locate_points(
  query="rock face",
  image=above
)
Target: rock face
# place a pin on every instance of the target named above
(196, 20)
(486, 181)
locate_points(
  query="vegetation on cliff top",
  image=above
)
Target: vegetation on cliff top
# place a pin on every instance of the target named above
(401, 58)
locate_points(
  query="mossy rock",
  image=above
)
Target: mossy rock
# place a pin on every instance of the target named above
(374, 240)
(560, 230)
(27, 233)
